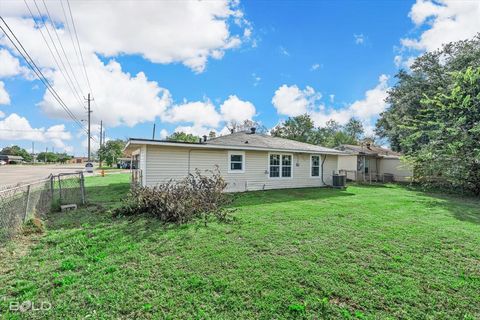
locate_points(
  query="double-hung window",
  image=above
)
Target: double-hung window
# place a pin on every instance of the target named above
(280, 165)
(236, 162)
(315, 164)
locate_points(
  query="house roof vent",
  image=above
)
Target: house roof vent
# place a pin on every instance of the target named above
(252, 130)
(205, 138)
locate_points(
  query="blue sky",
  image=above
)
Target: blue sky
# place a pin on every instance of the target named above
(194, 66)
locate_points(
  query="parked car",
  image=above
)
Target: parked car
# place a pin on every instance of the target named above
(2, 163)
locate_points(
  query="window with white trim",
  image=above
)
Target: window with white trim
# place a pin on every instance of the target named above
(315, 163)
(280, 165)
(236, 162)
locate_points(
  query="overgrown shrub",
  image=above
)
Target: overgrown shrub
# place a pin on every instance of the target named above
(179, 201)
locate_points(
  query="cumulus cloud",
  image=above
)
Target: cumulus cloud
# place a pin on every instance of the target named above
(315, 67)
(293, 101)
(4, 97)
(445, 21)
(189, 32)
(15, 127)
(163, 134)
(200, 113)
(9, 65)
(234, 109)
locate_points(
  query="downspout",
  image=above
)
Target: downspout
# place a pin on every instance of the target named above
(323, 161)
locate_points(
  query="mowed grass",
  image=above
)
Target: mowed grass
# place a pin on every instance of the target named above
(370, 252)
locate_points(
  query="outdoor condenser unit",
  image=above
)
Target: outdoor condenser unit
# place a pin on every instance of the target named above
(339, 181)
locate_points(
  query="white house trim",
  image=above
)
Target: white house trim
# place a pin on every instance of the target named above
(230, 153)
(281, 165)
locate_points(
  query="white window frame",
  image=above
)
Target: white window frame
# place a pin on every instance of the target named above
(319, 166)
(236, 153)
(281, 165)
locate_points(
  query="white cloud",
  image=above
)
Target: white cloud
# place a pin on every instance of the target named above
(445, 21)
(359, 38)
(163, 134)
(2, 115)
(4, 97)
(365, 110)
(293, 101)
(9, 65)
(198, 112)
(15, 127)
(315, 67)
(189, 32)
(234, 109)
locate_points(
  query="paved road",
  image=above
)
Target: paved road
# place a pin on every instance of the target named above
(13, 174)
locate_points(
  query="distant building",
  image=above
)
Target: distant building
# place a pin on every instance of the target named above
(10, 159)
(77, 160)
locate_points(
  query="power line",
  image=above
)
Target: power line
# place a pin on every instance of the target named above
(64, 71)
(75, 94)
(39, 73)
(61, 45)
(79, 47)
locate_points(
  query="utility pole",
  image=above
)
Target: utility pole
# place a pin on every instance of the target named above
(89, 136)
(101, 133)
(46, 151)
(153, 135)
(33, 152)
(101, 136)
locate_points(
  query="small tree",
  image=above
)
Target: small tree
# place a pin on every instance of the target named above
(111, 151)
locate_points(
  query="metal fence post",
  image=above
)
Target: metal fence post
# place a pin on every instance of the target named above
(82, 187)
(26, 205)
(51, 186)
(60, 188)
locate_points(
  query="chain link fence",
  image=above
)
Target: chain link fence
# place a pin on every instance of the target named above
(20, 203)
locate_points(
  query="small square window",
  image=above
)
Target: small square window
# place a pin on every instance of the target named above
(236, 162)
(236, 157)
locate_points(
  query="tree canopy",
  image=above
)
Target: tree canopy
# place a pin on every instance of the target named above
(183, 137)
(17, 151)
(302, 128)
(434, 116)
(111, 151)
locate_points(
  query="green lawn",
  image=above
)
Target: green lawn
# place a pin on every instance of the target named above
(370, 252)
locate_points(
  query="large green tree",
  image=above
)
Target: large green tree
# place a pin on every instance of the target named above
(430, 74)
(17, 151)
(452, 155)
(111, 151)
(297, 128)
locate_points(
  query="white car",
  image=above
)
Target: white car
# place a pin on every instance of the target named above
(2, 163)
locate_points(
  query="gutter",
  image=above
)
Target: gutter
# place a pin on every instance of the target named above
(227, 147)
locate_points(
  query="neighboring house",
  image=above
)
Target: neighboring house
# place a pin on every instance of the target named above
(246, 160)
(370, 163)
(10, 159)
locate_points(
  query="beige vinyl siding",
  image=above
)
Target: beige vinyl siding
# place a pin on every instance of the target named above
(165, 163)
(348, 163)
(400, 170)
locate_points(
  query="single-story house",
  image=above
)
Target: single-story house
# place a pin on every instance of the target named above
(367, 162)
(246, 160)
(10, 159)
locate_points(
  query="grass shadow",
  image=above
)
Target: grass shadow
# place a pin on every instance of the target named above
(463, 208)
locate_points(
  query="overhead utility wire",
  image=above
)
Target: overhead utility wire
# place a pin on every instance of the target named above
(75, 94)
(71, 84)
(61, 46)
(39, 73)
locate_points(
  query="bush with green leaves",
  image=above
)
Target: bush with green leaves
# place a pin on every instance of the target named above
(180, 201)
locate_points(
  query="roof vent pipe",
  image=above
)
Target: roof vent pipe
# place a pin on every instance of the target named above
(252, 130)
(204, 138)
